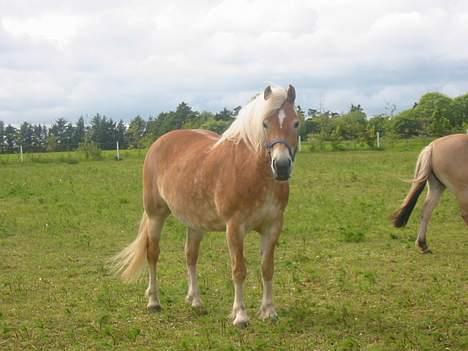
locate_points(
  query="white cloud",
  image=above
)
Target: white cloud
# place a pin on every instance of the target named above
(58, 29)
(121, 58)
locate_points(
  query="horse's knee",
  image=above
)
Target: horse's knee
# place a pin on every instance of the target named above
(191, 255)
(267, 270)
(239, 272)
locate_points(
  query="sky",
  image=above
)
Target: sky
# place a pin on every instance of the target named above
(68, 59)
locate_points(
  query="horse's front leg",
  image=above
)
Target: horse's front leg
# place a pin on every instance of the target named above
(269, 237)
(235, 239)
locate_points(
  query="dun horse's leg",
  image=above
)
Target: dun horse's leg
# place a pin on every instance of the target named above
(432, 199)
(235, 240)
(192, 245)
(269, 238)
(155, 225)
(463, 203)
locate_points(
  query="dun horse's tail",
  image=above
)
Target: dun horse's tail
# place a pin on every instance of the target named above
(129, 262)
(421, 174)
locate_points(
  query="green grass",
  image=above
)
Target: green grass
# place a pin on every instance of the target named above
(345, 279)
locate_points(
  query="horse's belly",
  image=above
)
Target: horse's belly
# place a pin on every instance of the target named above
(198, 216)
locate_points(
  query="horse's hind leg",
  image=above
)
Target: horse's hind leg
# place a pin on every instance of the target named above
(155, 225)
(192, 246)
(463, 203)
(432, 199)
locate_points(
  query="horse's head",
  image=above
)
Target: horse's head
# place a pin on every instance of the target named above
(281, 135)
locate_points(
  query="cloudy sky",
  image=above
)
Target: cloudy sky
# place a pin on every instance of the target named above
(63, 58)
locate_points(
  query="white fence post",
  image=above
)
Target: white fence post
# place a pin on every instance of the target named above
(299, 144)
(118, 153)
(378, 140)
(21, 153)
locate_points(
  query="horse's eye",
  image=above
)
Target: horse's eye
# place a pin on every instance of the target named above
(296, 124)
(265, 125)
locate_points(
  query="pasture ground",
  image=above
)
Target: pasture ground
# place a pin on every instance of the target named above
(345, 279)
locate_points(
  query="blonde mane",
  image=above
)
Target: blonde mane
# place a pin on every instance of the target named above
(248, 125)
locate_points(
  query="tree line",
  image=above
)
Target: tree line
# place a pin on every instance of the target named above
(104, 132)
(433, 115)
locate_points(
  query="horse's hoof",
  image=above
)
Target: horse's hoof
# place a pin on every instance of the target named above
(200, 310)
(154, 308)
(240, 319)
(422, 247)
(194, 302)
(240, 323)
(267, 313)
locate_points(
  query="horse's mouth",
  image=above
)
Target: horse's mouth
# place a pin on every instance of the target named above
(282, 178)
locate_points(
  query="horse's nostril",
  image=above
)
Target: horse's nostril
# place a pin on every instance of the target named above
(282, 168)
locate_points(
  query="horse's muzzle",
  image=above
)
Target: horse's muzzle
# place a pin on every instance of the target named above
(282, 168)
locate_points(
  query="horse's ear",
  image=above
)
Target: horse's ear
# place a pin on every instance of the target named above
(267, 92)
(291, 94)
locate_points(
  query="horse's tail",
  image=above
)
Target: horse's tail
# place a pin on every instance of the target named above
(421, 174)
(129, 262)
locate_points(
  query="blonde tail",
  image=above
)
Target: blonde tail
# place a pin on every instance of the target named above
(421, 174)
(129, 262)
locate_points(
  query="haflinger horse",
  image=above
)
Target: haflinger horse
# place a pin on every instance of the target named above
(235, 183)
(442, 164)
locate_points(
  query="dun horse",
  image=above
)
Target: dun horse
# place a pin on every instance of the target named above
(442, 164)
(235, 183)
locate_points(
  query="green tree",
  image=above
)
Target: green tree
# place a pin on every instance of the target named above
(224, 115)
(2, 137)
(215, 125)
(102, 132)
(407, 125)
(25, 136)
(439, 125)
(79, 132)
(10, 139)
(379, 123)
(460, 112)
(59, 133)
(39, 141)
(68, 137)
(122, 136)
(167, 121)
(183, 114)
(352, 125)
(136, 132)
(427, 105)
(201, 118)
(302, 126)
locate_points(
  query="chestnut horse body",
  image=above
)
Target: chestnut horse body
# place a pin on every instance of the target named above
(442, 164)
(236, 182)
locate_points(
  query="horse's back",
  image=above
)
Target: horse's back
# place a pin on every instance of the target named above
(177, 141)
(450, 161)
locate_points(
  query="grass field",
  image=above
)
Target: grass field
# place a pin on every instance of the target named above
(345, 279)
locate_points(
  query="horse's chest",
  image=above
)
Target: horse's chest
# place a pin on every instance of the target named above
(268, 209)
